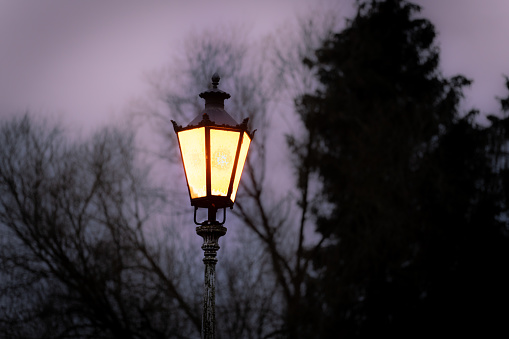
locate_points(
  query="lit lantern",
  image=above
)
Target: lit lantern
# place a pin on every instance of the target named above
(214, 149)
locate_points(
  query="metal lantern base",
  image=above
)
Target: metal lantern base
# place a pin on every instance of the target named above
(210, 234)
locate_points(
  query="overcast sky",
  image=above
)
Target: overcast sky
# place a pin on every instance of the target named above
(84, 60)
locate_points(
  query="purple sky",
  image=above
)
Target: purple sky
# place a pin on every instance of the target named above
(473, 36)
(84, 60)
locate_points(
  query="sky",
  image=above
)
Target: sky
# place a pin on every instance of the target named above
(84, 61)
(474, 41)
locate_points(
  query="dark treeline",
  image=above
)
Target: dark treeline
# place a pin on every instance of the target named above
(406, 198)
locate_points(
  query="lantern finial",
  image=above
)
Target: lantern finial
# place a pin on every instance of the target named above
(215, 80)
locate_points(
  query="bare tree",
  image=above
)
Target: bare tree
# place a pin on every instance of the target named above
(260, 287)
(79, 258)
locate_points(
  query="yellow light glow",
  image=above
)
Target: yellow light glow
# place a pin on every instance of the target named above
(192, 144)
(246, 141)
(223, 148)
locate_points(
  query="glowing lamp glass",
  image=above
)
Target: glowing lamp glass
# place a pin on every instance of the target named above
(223, 149)
(192, 146)
(213, 162)
(246, 141)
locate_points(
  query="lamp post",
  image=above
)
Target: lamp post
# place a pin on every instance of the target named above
(214, 148)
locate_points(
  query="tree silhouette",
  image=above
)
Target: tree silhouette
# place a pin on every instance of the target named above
(77, 257)
(263, 283)
(410, 188)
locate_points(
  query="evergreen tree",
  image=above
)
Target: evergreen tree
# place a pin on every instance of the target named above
(413, 191)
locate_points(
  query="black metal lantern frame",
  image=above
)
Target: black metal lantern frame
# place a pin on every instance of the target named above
(213, 148)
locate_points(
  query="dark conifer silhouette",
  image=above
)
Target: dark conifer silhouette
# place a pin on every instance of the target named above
(417, 229)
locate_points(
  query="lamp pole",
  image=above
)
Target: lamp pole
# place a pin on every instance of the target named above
(210, 232)
(214, 148)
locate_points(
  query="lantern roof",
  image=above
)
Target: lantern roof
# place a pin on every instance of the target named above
(214, 113)
(214, 106)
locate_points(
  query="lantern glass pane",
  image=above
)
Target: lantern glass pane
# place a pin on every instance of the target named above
(246, 141)
(223, 148)
(192, 146)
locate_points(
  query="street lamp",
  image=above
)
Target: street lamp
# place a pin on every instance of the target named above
(214, 148)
